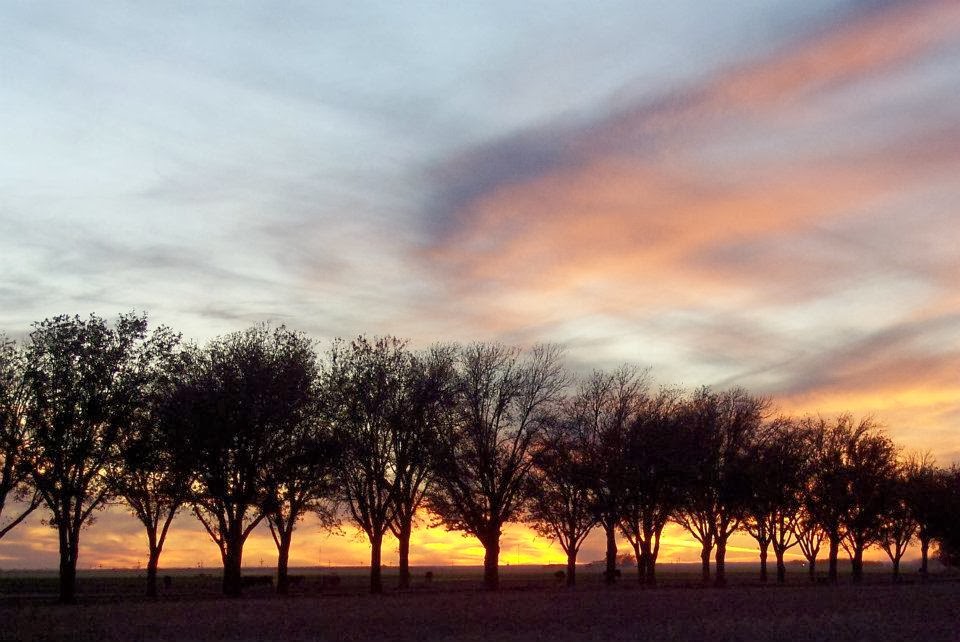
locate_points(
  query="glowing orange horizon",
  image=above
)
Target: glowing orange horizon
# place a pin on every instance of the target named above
(116, 545)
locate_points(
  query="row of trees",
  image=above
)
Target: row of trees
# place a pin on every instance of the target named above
(256, 426)
(619, 457)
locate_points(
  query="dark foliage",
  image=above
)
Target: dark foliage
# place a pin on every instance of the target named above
(83, 382)
(150, 475)
(720, 426)
(13, 408)
(655, 462)
(243, 391)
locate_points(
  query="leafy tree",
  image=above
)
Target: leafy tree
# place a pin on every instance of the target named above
(364, 381)
(778, 470)
(149, 473)
(244, 390)
(827, 497)
(481, 477)
(653, 475)
(871, 466)
(925, 490)
(849, 489)
(423, 405)
(947, 523)
(83, 383)
(897, 522)
(299, 474)
(720, 427)
(13, 407)
(559, 497)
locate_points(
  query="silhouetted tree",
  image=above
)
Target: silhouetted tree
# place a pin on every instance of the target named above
(827, 498)
(603, 410)
(778, 468)
(150, 474)
(810, 538)
(871, 465)
(720, 429)
(424, 403)
(653, 474)
(482, 470)
(947, 524)
(83, 381)
(244, 389)
(559, 498)
(13, 408)
(925, 489)
(897, 522)
(364, 381)
(298, 476)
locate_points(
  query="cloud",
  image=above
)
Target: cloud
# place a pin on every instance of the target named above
(737, 208)
(786, 223)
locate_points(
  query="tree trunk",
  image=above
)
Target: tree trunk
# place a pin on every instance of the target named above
(571, 567)
(376, 577)
(924, 549)
(834, 553)
(812, 569)
(856, 564)
(232, 564)
(705, 562)
(68, 565)
(644, 561)
(283, 560)
(153, 562)
(763, 562)
(651, 570)
(896, 569)
(491, 563)
(641, 561)
(721, 577)
(403, 538)
(653, 544)
(781, 567)
(610, 575)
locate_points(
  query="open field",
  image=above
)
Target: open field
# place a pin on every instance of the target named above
(531, 606)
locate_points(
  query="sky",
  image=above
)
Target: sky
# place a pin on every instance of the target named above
(761, 193)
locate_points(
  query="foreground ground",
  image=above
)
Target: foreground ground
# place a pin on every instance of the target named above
(524, 610)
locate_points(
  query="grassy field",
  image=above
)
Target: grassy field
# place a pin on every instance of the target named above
(531, 606)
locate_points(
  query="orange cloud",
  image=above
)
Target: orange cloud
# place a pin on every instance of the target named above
(788, 224)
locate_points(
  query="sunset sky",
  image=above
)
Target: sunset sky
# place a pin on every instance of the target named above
(762, 193)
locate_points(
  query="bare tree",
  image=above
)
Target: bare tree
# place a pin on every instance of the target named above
(364, 382)
(424, 404)
(720, 428)
(482, 472)
(13, 408)
(149, 474)
(654, 473)
(82, 382)
(810, 538)
(244, 389)
(603, 410)
(559, 498)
